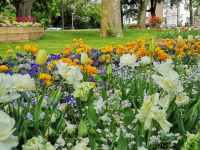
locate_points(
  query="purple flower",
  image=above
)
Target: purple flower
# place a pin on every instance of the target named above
(29, 116)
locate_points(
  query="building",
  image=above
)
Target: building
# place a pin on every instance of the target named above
(159, 13)
(177, 15)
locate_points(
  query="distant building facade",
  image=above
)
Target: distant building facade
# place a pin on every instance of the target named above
(178, 15)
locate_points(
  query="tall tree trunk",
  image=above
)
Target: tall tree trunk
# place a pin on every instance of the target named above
(121, 15)
(142, 14)
(191, 13)
(24, 8)
(111, 14)
(153, 8)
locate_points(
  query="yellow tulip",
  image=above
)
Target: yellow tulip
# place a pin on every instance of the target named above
(152, 46)
(84, 58)
(41, 57)
(109, 69)
(180, 39)
(190, 38)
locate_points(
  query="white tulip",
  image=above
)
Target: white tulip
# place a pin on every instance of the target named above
(7, 140)
(6, 85)
(84, 58)
(74, 75)
(145, 61)
(169, 81)
(165, 102)
(71, 73)
(182, 99)
(150, 110)
(61, 141)
(70, 128)
(53, 118)
(23, 82)
(63, 68)
(128, 60)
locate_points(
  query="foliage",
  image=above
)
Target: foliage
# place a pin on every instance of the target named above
(155, 21)
(89, 13)
(3, 4)
(121, 105)
(172, 34)
(130, 8)
(111, 30)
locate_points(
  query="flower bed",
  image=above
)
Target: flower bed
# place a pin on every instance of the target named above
(123, 97)
(20, 34)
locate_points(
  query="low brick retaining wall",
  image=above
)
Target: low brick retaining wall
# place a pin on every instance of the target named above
(20, 34)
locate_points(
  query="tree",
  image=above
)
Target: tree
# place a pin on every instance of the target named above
(23, 7)
(3, 4)
(89, 13)
(131, 12)
(142, 14)
(111, 18)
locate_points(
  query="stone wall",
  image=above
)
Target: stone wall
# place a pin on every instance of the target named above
(20, 34)
(197, 20)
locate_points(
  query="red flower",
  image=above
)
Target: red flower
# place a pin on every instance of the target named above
(28, 17)
(182, 28)
(35, 19)
(175, 29)
(4, 18)
(192, 29)
(160, 30)
(24, 18)
(3, 14)
(32, 18)
(185, 30)
(10, 17)
(20, 18)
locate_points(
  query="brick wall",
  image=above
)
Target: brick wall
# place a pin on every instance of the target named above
(159, 10)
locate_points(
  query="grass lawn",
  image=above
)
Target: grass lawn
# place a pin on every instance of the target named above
(54, 42)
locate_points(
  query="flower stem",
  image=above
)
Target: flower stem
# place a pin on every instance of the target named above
(37, 110)
(55, 94)
(149, 134)
(194, 109)
(150, 80)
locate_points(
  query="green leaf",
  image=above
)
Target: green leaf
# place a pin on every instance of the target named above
(91, 112)
(55, 105)
(122, 142)
(189, 126)
(181, 127)
(104, 94)
(165, 138)
(82, 129)
(79, 106)
(92, 141)
(141, 91)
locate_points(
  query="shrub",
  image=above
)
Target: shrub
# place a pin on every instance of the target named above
(155, 21)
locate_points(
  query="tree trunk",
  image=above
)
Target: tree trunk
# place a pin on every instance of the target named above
(122, 15)
(142, 14)
(153, 8)
(24, 8)
(111, 14)
(190, 12)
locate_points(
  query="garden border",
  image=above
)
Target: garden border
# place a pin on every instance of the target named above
(20, 34)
